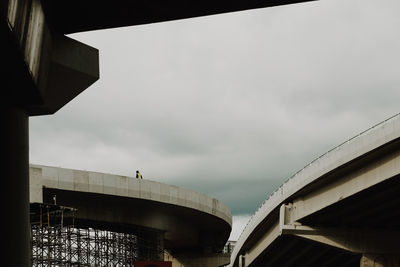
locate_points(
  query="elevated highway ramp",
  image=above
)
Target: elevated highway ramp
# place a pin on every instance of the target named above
(194, 227)
(340, 210)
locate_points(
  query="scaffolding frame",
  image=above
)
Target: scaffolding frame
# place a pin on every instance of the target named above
(57, 243)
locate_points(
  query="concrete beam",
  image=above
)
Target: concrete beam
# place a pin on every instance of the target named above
(262, 244)
(343, 187)
(74, 66)
(380, 260)
(356, 241)
(45, 70)
(353, 240)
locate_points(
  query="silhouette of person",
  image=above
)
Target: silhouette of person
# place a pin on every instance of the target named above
(138, 175)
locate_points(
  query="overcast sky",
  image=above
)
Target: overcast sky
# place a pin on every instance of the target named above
(230, 105)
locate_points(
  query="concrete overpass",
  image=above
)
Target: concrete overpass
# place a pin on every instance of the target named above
(195, 226)
(42, 70)
(340, 210)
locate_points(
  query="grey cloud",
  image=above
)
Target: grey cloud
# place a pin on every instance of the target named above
(230, 105)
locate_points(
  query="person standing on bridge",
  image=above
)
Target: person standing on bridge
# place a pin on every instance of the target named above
(138, 175)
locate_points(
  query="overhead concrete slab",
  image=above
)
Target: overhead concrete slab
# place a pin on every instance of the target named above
(69, 16)
(42, 70)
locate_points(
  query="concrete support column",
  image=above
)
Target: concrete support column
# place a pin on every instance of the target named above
(16, 249)
(380, 260)
(242, 261)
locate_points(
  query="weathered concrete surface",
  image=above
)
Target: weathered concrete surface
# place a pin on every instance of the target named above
(359, 165)
(189, 219)
(371, 260)
(102, 183)
(43, 69)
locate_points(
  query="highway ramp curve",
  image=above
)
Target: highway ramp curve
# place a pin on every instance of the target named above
(339, 210)
(192, 222)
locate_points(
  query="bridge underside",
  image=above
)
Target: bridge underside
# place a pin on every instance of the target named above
(188, 230)
(374, 210)
(296, 251)
(68, 16)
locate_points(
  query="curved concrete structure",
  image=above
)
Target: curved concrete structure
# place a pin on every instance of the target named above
(192, 222)
(45, 70)
(343, 204)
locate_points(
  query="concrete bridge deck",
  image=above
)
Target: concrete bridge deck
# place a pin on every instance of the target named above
(193, 223)
(340, 210)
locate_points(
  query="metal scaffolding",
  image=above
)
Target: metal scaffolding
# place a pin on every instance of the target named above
(55, 243)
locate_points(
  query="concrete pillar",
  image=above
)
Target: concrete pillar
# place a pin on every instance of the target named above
(242, 261)
(380, 260)
(16, 249)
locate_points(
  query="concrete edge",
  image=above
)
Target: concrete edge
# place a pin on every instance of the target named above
(124, 186)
